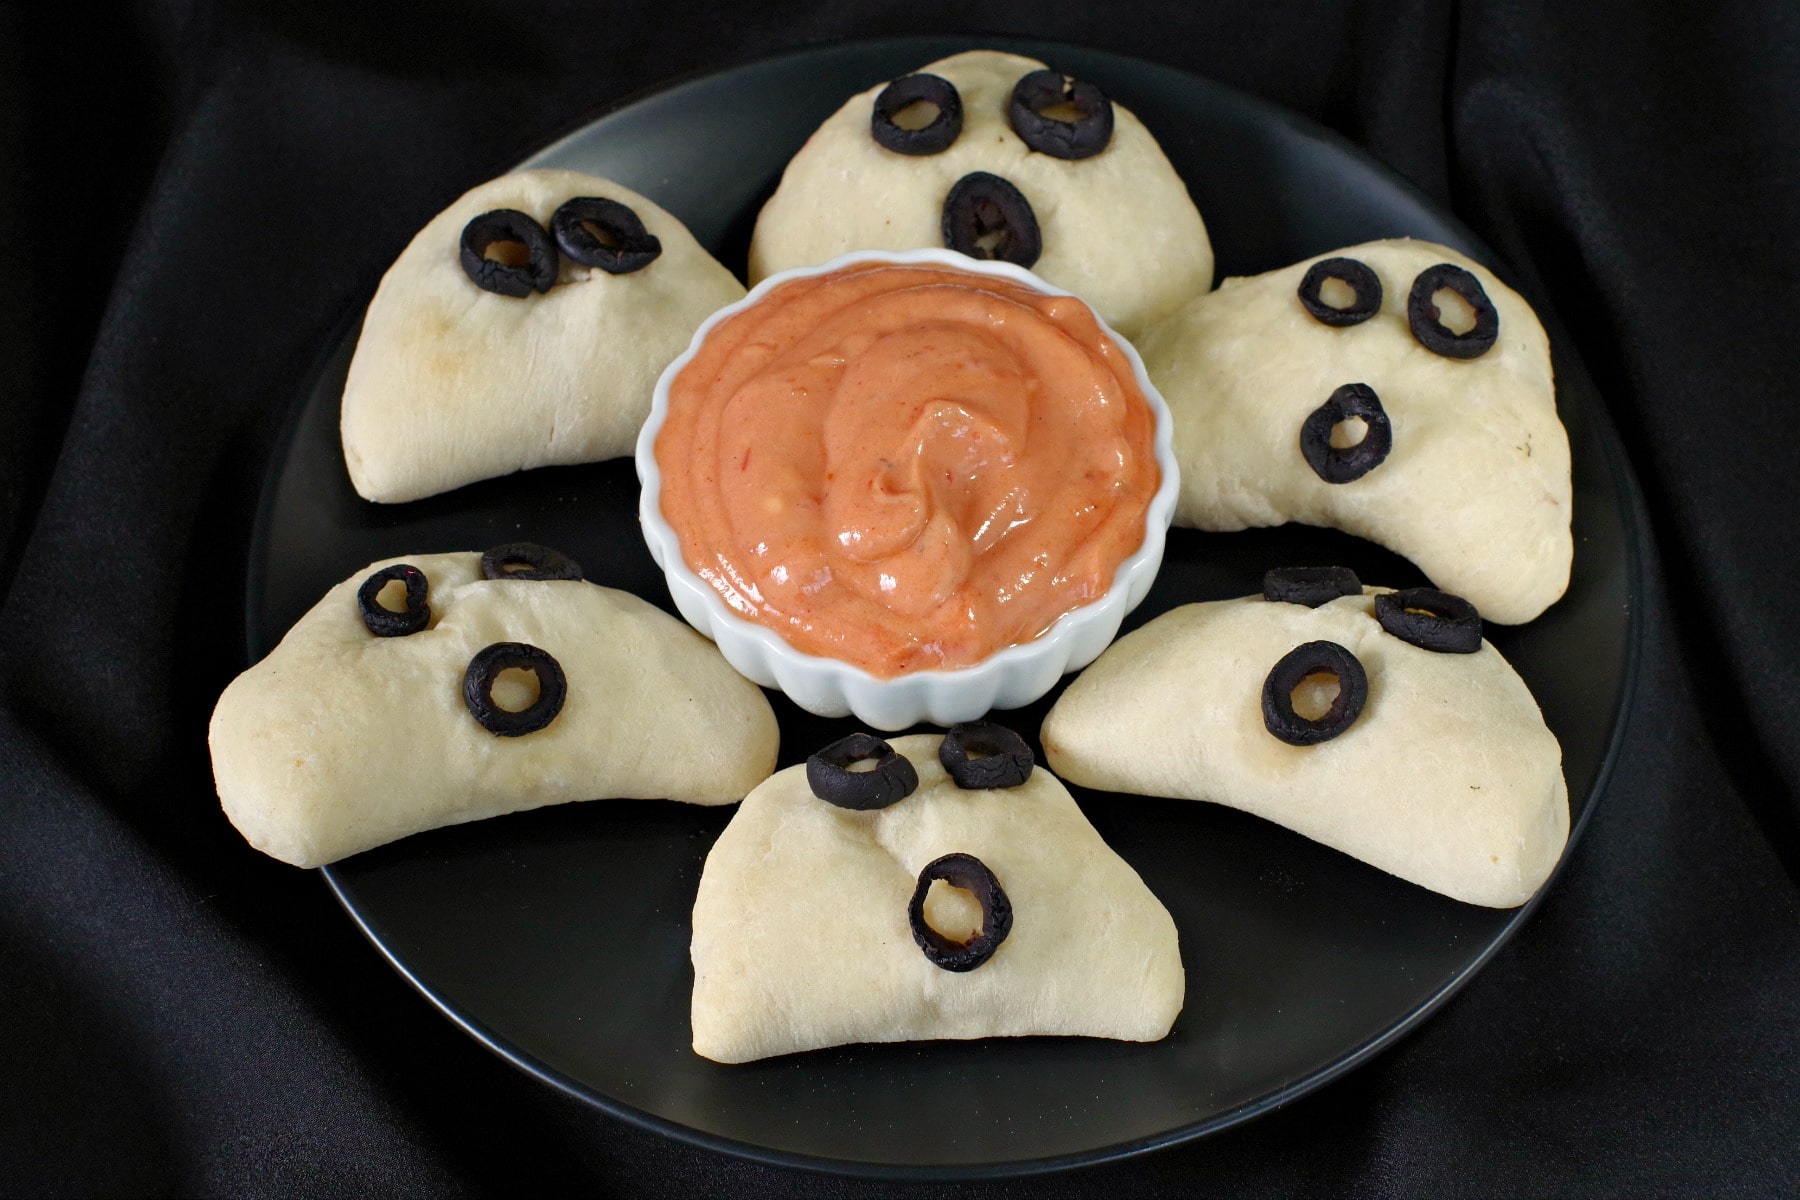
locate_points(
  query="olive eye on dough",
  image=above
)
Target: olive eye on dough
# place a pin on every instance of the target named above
(485, 668)
(597, 232)
(971, 874)
(934, 136)
(980, 755)
(987, 217)
(1364, 285)
(1311, 586)
(1295, 667)
(386, 622)
(528, 560)
(1426, 320)
(1343, 464)
(891, 780)
(1430, 620)
(529, 266)
(1059, 116)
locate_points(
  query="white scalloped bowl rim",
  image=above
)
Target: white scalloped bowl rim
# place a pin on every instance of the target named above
(1010, 677)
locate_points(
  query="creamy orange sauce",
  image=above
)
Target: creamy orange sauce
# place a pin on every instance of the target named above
(907, 467)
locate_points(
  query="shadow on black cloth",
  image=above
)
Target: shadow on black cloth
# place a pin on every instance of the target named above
(194, 195)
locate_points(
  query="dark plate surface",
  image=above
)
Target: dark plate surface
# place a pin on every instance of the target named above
(559, 937)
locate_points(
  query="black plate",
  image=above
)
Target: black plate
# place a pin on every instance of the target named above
(560, 938)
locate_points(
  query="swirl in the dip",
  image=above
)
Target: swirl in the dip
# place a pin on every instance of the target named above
(907, 467)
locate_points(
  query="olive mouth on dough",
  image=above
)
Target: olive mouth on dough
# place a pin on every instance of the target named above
(987, 217)
(969, 873)
(1345, 464)
(485, 669)
(1320, 658)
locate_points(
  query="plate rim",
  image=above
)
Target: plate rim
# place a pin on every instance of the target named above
(1603, 429)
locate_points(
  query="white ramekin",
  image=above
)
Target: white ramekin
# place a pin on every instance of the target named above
(1013, 676)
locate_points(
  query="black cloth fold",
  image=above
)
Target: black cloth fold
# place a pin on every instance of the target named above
(196, 194)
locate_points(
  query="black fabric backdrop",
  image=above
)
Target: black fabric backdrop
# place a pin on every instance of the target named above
(192, 194)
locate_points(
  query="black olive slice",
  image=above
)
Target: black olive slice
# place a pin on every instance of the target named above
(1335, 465)
(1311, 586)
(970, 873)
(536, 274)
(485, 667)
(1422, 313)
(528, 560)
(1314, 658)
(385, 622)
(905, 92)
(981, 754)
(829, 775)
(1087, 135)
(1363, 283)
(1431, 619)
(621, 244)
(987, 217)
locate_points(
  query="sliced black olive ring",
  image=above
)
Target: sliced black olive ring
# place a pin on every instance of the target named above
(1087, 135)
(970, 873)
(1314, 658)
(1333, 464)
(980, 755)
(536, 274)
(1311, 586)
(385, 622)
(1363, 283)
(528, 560)
(621, 245)
(892, 780)
(485, 668)
(902, 94)
(1428, 327)
(1431, 620)
(987, 217)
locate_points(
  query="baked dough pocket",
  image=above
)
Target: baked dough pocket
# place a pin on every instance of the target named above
(1447, 777)
(452, 383)
(1473, 485)
(802, 939)
(1117, 227)
(341, 740)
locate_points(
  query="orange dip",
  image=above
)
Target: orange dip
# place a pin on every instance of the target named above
(907, 467)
